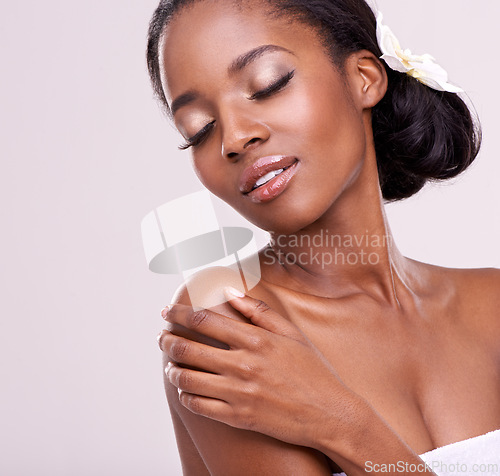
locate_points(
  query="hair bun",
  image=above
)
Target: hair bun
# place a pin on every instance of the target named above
(421, 134)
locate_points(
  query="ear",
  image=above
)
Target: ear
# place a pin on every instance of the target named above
(368, 78)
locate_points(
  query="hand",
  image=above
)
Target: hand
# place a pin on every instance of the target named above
(272, 379)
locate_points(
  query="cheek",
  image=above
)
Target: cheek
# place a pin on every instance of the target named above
(328, 136)
(326, 131)
(205, 169)
(318, 118)
(214, 175)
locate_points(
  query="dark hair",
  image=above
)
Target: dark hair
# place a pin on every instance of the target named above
(420, 133)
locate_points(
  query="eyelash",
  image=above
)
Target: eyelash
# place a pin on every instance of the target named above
(273, 88)
(200, 136)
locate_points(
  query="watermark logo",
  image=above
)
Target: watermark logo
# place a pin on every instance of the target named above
(325, 249)
(183, 236)
(433, 466)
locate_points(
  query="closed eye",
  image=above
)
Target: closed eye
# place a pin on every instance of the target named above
(273, 88)
(198, 138)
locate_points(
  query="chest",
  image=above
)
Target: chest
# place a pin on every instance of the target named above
(435, 382)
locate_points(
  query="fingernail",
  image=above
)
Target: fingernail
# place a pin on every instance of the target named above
(233, 292)
(168, 367)
(164, 311)
(159, 336)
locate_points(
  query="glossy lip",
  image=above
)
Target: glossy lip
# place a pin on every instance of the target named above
(276, 186)
(261, 167)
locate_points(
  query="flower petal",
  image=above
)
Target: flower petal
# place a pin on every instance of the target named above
(440, 85)
(430, 69)
(394, 63)
(421, 67)
(387, 41)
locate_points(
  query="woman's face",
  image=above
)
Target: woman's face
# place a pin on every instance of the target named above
(258, 94)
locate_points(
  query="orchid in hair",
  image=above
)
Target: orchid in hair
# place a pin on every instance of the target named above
(421, 67)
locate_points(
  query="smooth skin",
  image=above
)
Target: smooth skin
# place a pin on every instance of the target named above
(324, 367)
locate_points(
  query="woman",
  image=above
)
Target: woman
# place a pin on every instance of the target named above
(361, 357)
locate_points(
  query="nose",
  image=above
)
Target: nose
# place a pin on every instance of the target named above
(241, 133)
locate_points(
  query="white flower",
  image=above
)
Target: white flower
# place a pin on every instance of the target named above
(421, 67)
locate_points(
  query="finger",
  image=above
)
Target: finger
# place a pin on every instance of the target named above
(208, 407)
(260, 313)
(211, 324)
(196, 382)
(195, 354)
(160, 336)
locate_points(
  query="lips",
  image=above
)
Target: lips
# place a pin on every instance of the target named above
(261, 167)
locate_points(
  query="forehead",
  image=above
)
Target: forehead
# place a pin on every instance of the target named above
(204, 38)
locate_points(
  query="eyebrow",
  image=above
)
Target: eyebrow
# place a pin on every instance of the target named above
(237, 65)
(246, 58)
(182, 100)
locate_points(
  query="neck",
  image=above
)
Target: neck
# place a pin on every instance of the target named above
(350, 249)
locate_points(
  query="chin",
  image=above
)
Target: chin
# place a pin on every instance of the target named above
(301, 205)
(284, 220)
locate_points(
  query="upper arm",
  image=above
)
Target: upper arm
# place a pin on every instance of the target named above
(225, 450)
(208, 445)
(192, 463)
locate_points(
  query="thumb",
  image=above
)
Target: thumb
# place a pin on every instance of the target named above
(260, 313)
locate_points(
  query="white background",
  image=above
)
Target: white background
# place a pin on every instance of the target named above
(85, 154)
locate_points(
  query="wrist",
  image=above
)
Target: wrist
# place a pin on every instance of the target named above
(341, 440)
(363, 436)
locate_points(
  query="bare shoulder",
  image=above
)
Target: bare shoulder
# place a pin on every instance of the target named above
(475, 294)
(482, 279)
(478, 287)
(210, 447)
(204, 289)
